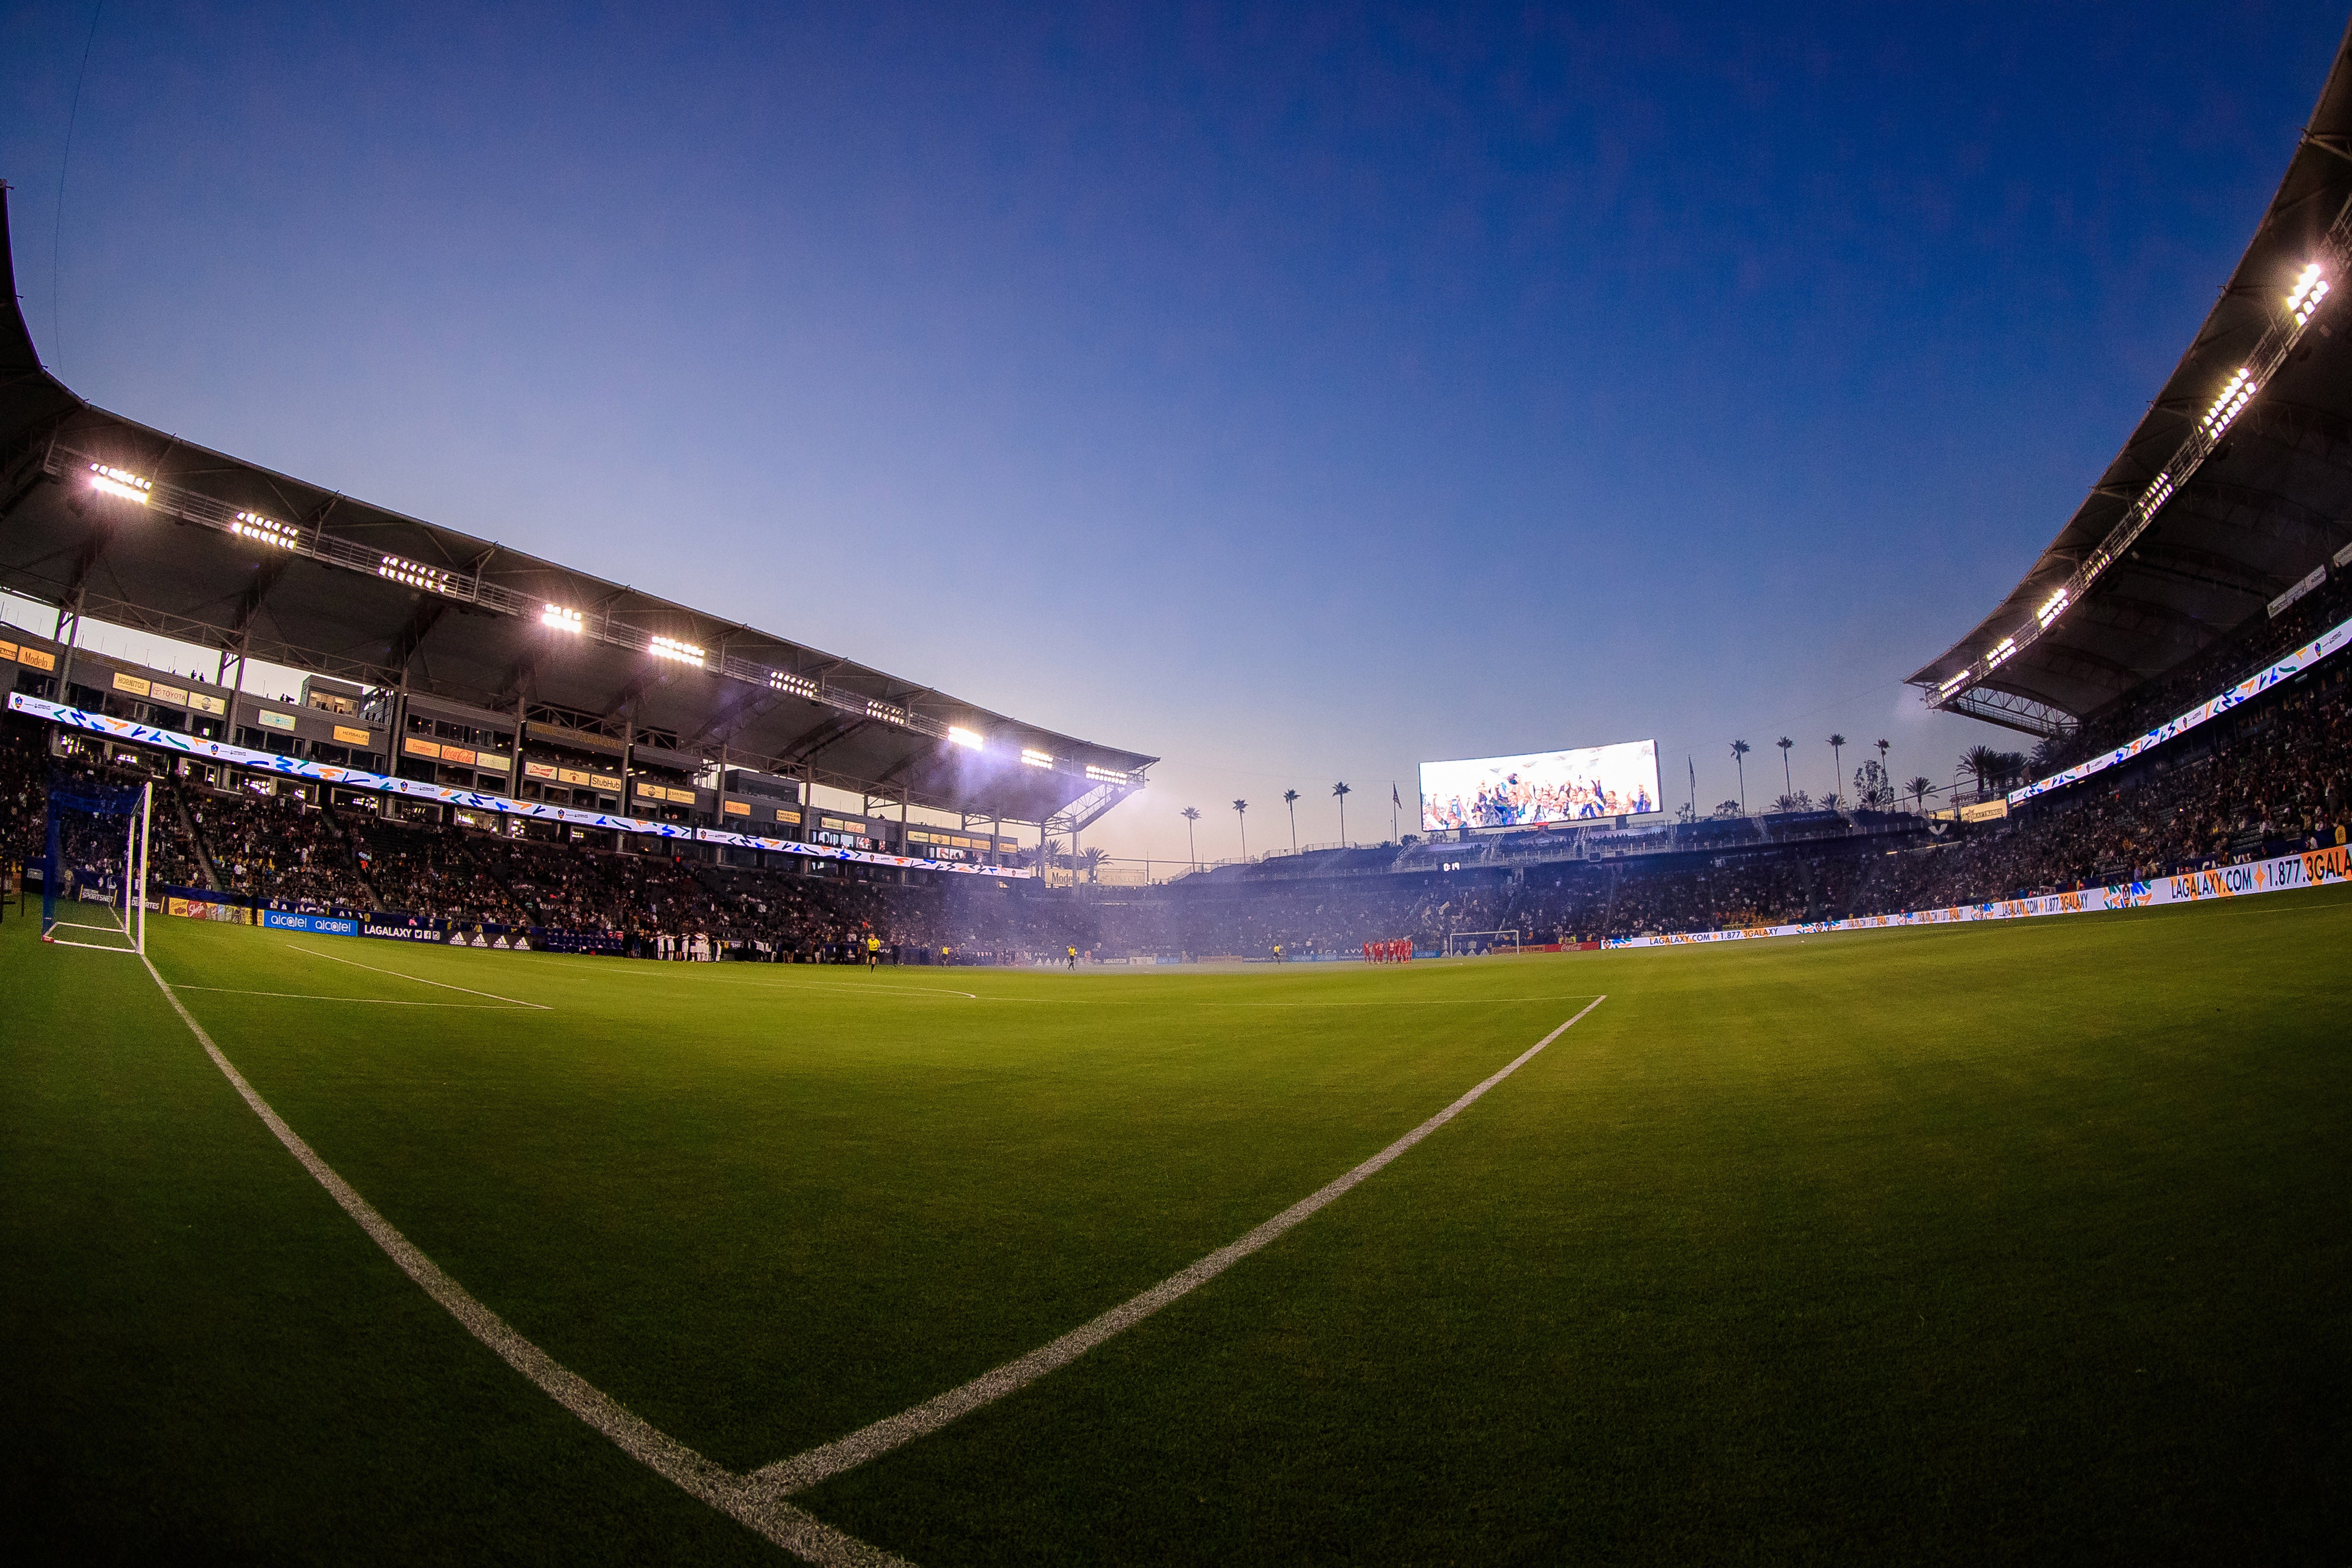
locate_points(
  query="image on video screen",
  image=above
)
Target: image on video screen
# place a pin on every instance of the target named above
(1541, 786)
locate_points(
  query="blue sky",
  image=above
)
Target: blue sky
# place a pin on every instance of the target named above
(1293, 395)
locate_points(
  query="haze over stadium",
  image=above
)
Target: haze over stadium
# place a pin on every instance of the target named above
(570, 586)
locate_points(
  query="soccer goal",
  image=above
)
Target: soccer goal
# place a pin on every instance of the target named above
(1462, 943)
(94, 873)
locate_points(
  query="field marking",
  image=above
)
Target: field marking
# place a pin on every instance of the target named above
(757, 1506)
(419, 979)
(371, 1001)
(821, 1463)
(1423, 1002)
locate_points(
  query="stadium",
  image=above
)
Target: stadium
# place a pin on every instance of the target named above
(585, 1079)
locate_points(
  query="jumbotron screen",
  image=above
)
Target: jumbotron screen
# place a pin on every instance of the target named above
(1541, 786)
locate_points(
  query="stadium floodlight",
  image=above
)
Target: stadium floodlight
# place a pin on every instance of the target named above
(671, 647)
(120, 483)
(798, 685)
(1037, 759)
(878, 708)
(265, 530)
(959, 736)
(415, 574)
(1949, 686)
(562, 619)
(1105, 775)
(2232, 400)
(2309, 289)
(2051, 608)
(2000, 652)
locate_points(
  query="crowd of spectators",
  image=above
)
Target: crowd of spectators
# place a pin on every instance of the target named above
(2266, 779)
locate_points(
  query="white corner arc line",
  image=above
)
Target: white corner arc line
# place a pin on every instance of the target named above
(805, 1469)
(403, 974)
(756, 1507)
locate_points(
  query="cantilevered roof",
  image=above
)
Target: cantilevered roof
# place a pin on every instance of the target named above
(227, 554)
(2221, 499)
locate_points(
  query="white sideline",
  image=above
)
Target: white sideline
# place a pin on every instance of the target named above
(755, 1506)
(803, 1470)
(403, 974)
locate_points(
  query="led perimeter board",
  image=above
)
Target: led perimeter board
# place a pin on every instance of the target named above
(1541, 786)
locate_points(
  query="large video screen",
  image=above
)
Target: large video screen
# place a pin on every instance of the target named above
(1541, 786)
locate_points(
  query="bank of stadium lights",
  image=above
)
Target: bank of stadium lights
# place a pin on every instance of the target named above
(1105, 776)
(959, 736)
(797, 685)
(671, 647)
(120, 483)
(1954, 684)
(2309, 290)
(562, 620)
(414, 574)
(884, 712)
(265, 530)
(2051, 608)
(2000, 654)
(2231, 403)
(1037, 759)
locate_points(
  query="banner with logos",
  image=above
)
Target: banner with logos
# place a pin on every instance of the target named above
(2293, 665)
(2312, 868)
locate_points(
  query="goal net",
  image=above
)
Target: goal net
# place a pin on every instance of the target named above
(94, 866)
(1476, 941)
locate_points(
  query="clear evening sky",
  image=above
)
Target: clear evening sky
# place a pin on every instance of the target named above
(1293, 395)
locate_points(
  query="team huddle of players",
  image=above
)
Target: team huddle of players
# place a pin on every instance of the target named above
(1397, 951)
(1514, 799)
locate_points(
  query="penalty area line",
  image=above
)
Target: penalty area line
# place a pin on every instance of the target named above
(756, 1507)
(367, 1001)
(805, 1469)
(400, 975)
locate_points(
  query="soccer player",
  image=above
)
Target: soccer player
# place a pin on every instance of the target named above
(873, 951)
(1074, 958)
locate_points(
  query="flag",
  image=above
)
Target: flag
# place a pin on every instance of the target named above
(1393, 799)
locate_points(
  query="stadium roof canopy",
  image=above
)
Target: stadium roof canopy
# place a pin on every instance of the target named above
(2236, 486)
(106, 517)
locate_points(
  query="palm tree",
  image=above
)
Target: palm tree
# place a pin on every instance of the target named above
(1837, 763)
(1191, 815)
(1788, 783)
(1985, 762)
(1919, 790)
(1092, 858)
(1740, 757)
(1342, 791)
(1239, 808)
(1290, 799)
(1881, 757)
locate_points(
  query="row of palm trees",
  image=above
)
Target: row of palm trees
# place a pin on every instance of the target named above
(1990, 767)
(1290, 798)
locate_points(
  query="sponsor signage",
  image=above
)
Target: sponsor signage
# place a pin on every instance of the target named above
(402, 927)
(413, 789)
(351, 736)
(2280, 605)
(274, 721)
(2312, 868)
(318, 925)
(135, 685)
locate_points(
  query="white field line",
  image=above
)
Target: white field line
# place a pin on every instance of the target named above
(756, 1507)
(1437, 1002)
(803, 1470)
(93, 946)
(401, 975)
(369, 1001)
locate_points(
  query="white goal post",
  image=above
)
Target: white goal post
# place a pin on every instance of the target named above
(84, 861)
(1464, 942)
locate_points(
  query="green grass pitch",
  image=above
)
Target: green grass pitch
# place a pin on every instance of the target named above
(2020, 1241)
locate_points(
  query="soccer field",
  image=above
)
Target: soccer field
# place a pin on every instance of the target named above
(2023, 1239)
